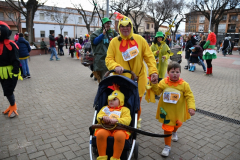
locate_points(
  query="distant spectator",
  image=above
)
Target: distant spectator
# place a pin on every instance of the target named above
(66, 42)
(203, 41)
(32, 46)
(26, 36)
(24, 49)
(226, 45)
(60, 41)
(16, 36)
(52, 46)
(81, 41)
(43, 45)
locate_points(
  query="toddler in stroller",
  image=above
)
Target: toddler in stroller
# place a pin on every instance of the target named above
(120, 106)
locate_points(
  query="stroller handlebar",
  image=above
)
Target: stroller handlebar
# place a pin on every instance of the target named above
(134, 77)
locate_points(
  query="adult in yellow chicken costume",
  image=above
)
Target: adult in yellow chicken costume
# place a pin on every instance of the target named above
(129, 51)
(161, 53)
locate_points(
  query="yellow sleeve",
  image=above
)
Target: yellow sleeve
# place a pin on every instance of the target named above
(125, 117)
(189, 97)
(158, 88)
(110, 58)
(154, 51)
(149, 58)
(101, 114)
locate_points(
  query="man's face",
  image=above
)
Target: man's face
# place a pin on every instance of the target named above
(125, 30)
(107, 25)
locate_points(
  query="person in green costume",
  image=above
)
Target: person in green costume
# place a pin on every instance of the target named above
(100, 40)
(9, 67)
(161, 52)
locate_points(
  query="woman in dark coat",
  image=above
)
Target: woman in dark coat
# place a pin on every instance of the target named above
(60, 44)
(66, 42)
(188, 51)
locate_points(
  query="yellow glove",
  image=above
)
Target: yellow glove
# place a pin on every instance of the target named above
(150, 96)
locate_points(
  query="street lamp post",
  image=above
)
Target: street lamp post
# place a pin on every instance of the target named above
(210, 21)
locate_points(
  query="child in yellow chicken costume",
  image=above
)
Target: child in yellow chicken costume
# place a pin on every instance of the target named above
(111, 114)
(129, 52)
(175, 105)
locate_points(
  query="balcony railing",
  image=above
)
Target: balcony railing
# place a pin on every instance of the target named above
(231, 30)
(232, 20)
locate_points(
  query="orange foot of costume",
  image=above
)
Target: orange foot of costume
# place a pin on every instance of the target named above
(11, 109)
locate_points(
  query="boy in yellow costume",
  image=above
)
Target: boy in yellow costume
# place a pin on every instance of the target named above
(175, 105)
(161, 53)
(111, 114)
(128, 51)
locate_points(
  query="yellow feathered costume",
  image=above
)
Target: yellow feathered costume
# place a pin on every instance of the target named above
(120, 44)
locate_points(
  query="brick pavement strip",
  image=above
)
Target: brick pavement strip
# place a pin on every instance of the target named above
(55, 112)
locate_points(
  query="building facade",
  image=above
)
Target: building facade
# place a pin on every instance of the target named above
(10, 17)
(229, 25)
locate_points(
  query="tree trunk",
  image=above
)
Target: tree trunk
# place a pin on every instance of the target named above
(136, 28)
(29, 25)
(156, 28)
(88, 28)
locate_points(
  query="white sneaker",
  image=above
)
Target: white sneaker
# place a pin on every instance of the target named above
(166, 151)
(13, 114)
(174, 136)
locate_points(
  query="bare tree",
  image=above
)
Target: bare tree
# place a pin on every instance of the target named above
(181, 9)
(59, 15)
(86, 15)
(13, 15)
(218, 7)
(161, 11)
(27, 9)
(126, 6)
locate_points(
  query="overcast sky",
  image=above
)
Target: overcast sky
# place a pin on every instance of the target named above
(88, 6)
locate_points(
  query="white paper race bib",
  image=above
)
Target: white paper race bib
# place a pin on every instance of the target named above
(130, 53)
(113, 114)
(171, 96)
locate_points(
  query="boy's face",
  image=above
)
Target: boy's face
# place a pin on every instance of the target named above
(174, 74)
(114, 102)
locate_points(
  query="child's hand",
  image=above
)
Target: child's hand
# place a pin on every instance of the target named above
(163, 57)
(106, 119)
(191, 111)
(113, 121)
(157, 52)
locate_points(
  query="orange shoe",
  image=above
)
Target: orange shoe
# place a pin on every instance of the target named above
(12, 111)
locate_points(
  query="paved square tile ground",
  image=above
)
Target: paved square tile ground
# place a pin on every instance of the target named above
(55, 111)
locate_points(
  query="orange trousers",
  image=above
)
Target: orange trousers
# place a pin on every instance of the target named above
(119, 142)
(168, 140)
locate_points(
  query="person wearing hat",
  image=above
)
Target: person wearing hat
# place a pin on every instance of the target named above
(114, 112)
(26, 36)
(9, 68)
(129, 51)
(161, 52)
(100, 40)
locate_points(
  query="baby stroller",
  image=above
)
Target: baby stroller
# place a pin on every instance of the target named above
(176, 56)
(129, 88)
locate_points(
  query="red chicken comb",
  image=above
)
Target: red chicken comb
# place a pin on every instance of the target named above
(119, 15)
(114, 87)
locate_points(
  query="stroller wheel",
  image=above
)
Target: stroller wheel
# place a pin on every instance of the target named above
(94, 149)
(135, 152)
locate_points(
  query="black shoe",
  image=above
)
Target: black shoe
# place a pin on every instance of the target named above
(95, 79)
(186, 67)
(91, 75)
(28, 76)
(157, 97)
(24, 77)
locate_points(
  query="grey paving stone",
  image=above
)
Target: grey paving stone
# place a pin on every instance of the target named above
(43, 147)
(31, 149)
(69, 154)
(42, 158)
(23, 156)
(57, 157)
(63, 149)
(36, 154)
(50, 152)
(56, 145)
